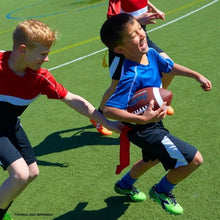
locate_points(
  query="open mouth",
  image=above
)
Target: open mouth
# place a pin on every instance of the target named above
(143, 44)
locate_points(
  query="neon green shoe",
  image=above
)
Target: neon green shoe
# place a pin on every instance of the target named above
(133, 193)
(167, 201)
(7, 217)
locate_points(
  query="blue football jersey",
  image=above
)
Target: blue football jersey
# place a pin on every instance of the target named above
(136, 76)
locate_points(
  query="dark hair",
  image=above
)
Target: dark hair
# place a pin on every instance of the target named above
(111, 30)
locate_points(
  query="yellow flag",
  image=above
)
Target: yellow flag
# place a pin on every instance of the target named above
(104, 63)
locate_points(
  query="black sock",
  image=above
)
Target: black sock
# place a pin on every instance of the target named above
(3, 211)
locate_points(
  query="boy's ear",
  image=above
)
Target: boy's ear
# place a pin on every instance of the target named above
(118, 50)
(22, 49)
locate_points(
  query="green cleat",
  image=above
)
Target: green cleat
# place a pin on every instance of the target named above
(167, 201)
(7, 217)
(133, 193)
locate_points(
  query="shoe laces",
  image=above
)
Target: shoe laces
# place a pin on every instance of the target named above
(134, 190)
(172, 197)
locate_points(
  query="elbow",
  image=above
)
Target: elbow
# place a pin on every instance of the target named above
(109, 112)
(106, 112)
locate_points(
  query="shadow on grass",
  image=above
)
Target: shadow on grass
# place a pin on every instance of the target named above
(55, 143)
(116, 207)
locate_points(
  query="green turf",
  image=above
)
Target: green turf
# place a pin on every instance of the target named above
(76, 164)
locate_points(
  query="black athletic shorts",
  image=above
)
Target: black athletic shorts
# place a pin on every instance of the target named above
(14, 144)
(116, 60)
(157, 143)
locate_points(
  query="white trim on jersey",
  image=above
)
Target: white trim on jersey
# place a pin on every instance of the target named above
(132, 84)
(15, 100)
(114, 65)
(136, 13)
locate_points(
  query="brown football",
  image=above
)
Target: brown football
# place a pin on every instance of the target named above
(140, 100)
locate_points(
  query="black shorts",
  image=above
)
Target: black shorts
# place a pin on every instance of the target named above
(157, 143)
(14, 144)
(116, 60)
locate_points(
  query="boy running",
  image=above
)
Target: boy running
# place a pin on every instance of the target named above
(142, 68)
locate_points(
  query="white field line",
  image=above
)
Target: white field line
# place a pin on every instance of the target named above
(161, 26)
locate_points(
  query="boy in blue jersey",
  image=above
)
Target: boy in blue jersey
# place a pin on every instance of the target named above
(142, 68)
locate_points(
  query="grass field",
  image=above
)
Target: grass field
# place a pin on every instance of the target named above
(77, 165)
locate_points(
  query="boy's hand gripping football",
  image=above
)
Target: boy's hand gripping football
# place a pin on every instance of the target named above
(151, 115)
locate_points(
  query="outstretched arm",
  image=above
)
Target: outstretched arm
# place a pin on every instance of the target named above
(184, 71)
(85, 108)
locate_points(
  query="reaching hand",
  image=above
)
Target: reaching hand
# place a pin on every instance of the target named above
(148, 17)
(161, 15)
(115, 126)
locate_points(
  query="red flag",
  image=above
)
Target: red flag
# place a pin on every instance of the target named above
(124, 150)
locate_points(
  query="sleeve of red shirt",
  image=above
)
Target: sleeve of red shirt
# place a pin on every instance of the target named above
(51, 88)
(114, 7)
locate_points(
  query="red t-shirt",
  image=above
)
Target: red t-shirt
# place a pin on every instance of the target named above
(133, 7)
(17, 92)
(114, 7)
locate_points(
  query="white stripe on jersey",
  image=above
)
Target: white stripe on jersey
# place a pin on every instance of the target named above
(136, 13)
(16, 101)
(132, 84)
(114, 65)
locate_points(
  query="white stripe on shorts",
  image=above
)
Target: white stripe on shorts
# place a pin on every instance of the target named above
(174, 152)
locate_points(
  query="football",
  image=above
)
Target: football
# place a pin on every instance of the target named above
(140, 100)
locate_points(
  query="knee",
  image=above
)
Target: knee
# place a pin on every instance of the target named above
(198, 159)
(20, 177)
(25, 175)
(34, 173)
